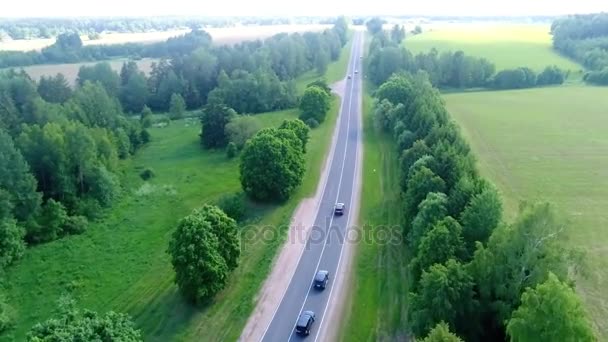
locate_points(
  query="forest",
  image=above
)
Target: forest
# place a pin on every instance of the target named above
(62, 148)
(584, 38)
(488, 275)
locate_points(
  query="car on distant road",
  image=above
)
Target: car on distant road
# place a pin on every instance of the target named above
(321, 279)
(349, 77)
(339, 209)
(356, 71)
(305, 322)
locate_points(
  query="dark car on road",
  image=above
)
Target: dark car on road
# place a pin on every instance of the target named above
(339, 209)
(321, 279)
(305, 323)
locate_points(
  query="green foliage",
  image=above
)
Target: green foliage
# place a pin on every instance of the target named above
(6, 316)
(421, 183)
(441, 332)
(480, 217)
(445, 294)
(253, 92)
(231, 150)
(241, 128)
(514, 79)
(146, 117)
(71, 324)
(430, 211)
(272, 165)
(597, 77)
(51, 222)
(322, 84)
(233, 205)
(374, 25)
(312, 123)
(441, 243)
(314, 104)
(204, 249)
(177, 107)
(398, 34)
(134, 90)
(550, 312)
(551, 75)
(54, 89)
(518, 256)
(299, 128)
(12, 245)
(583, 38)
(17, 184)
(214, 119)
(102, 73)
(146, 174)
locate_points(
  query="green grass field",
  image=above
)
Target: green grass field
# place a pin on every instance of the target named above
(120, 263)
(549, 144)
(378, 294)
(506, 45)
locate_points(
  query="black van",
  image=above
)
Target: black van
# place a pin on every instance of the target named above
(305, 322)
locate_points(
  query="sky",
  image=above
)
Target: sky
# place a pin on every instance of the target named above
(75, 8)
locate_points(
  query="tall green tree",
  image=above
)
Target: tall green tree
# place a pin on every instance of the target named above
(54, 89)
(550, 312)
(272, 166)
(134, 93)
(445, 294)
(430, 211)
(314, 104)
(214, 119)
(204, 249)
(17, 182)
(420, 184)
(102, 73)
(177, 107)
(480, 217)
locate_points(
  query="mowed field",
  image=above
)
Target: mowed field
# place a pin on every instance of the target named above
(549, 144)
(120, 263)
(506, 45)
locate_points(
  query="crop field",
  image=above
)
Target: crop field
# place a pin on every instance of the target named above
(120, 263)
(221, 35)
(70, 70)
(549, 144)
(506, 45)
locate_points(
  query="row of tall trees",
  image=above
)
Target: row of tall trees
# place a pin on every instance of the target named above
(584, 37)
(470, 271)
(450, 69)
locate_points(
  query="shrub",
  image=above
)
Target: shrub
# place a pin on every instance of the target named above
(312, 123)
(147, 174)
(75, 225)
(233, 205)
(231, 150)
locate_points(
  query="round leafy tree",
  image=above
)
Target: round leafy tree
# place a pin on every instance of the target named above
(299, 128)
(204, 249)
(272, 165)
(314, 104)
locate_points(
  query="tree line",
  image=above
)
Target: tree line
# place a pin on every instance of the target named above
(448, 69)
(473, 276)
(584, 38)
(469, 269)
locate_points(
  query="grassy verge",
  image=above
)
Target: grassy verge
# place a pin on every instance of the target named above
(549, 144)
(120, 263)
(378, 294)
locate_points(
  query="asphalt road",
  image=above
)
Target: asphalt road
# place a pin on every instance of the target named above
(324, 246)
